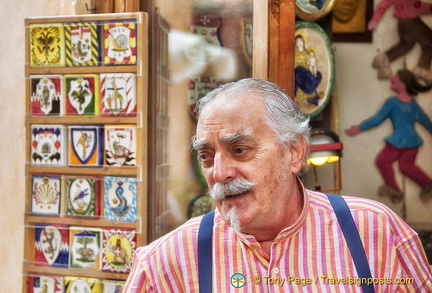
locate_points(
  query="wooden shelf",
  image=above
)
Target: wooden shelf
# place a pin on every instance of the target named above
(138, 172)
(30, 267)
(108, 171)
(31, 220)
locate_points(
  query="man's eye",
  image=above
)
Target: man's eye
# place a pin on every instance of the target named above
(204, 157)
(239, 151)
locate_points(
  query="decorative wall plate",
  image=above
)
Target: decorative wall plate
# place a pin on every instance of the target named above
(120, 199)
(120, 145)
(46, 95)
(51, 245)
(46, 194)
(85, 145)
(82, 46)
(48, 145)
(82, 94)
(312, 10)
(82, 285)
(198, 88)
(314, 68)
(85, 247)
(118, 246)
(45, 284)
(247, 39)
(120, 43)
(118, 94)
(82, 195)
(47, 45)
(111, 286)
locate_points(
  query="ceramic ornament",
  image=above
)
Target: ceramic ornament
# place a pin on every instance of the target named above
(120, 199)
(85, 247)
(120, 145)
(45, 284)
(82, 196)
(51, 245)
(120, 43)
(82, 285)
(48, 145)
(47, 45)
(46, 194)
(85, 145)
(118, 94)
(82, 46)
(46, 96)
(118, 246)
(81, 94)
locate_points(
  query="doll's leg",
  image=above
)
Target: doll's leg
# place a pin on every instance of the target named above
(384, 161)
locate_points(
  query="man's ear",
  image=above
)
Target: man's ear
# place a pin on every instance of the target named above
(298, 151)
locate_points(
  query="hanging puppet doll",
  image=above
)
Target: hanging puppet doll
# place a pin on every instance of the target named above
(404, 142)
(411, 30)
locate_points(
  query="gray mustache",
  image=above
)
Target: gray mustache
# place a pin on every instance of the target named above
(221, 190)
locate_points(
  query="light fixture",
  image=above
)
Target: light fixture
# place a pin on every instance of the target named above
(325, 147)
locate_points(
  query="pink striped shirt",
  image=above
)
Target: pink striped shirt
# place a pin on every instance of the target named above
(309, 256)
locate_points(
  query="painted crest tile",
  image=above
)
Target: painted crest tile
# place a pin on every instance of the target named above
(82, 196)
(118, 94)
(85, 247)
(112, 286)
(120, 43)
(118, 246)
(52, 245)
(82, 46)
(82, 285)
(81, 94)
(48, 145)
(120, 145)
(120, 199)
(46, 194)
(47, 45)
(46, 96)
(85, 145)
(45, 284)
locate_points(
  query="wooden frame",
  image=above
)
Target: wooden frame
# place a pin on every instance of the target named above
(139, 171)
(351, 35)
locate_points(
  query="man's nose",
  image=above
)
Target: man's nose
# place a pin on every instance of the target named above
(224, 168)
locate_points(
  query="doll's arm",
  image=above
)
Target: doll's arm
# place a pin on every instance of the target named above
(378, 13)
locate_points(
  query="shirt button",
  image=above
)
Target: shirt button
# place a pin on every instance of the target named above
(276, 270)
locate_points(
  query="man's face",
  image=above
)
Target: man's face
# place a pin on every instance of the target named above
(234, 143)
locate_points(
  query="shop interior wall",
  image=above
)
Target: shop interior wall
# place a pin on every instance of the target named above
(360, 95)
(12, 119)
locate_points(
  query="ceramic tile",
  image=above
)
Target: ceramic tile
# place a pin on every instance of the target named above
(85, 145)
(51, 245)
(47, 45)
(46, 194)
(85, 247)
(46, 95)
(120, 43)
(82, 45)
(81, 94)
(120, 145)
(48, 146)
(118, 94)
(118, 246)
(82, 196)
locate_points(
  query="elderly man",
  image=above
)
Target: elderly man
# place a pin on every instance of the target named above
(270, 234)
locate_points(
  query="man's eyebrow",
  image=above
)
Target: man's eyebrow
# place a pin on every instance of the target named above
(239, 136)
(198, 144)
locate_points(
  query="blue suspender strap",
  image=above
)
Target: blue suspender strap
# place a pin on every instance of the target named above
(205, 246)
(350, 232)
